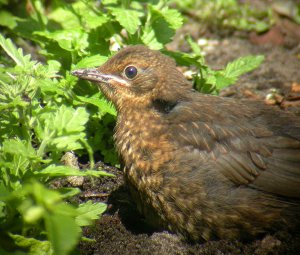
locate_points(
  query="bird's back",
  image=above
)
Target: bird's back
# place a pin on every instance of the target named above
(248, 142)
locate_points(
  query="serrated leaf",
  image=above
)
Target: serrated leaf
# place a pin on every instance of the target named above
(129, 19)
(14, 146)
(242, 65)
(49, 87)
(92, 17)
(34, 246)
(69, 40)
(161, 27)
(173, 17)
(222, 81)
(194, 46)
(11, 50)
(14, 103)
(149, 38)
(88, 212)
(68, 142)
(63, 128)
(103, 105)
(18, 155)
(69, 120)
(66, 120)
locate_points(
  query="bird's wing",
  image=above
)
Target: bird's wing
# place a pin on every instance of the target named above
(247, 150)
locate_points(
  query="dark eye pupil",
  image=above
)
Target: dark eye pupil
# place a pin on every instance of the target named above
(130, 72)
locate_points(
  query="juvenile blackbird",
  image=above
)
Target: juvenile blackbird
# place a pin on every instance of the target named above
(200, 165)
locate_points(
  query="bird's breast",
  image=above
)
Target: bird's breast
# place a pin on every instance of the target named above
(143, 144)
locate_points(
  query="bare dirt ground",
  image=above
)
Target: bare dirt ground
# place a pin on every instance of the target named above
(122, 230)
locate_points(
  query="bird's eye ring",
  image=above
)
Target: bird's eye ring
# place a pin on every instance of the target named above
(130, 72)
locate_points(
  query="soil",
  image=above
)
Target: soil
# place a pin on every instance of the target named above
(122, 230)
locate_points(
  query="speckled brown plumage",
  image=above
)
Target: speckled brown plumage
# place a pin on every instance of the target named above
(200, 165)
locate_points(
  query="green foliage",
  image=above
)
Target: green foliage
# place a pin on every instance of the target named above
(37, 125)
(210, 81)
(46, 112)
(228, 14)
(233, 70)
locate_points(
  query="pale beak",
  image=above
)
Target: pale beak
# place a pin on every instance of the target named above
(93, 74)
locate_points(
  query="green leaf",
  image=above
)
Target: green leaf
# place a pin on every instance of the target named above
(69, 192)
(173, 17)
(161, 26)
(233, 71)
(49, 87)
(7, 19)
(186, 59)
(103, 105)
(62, 128)
(68, 120)
(93, 17)
(88, 212)
(221, 81)
(63, 232)
(59, 217)
(34, 246)
(129, 19)
(15, 146)
(13, 52)
(242, 65)
(149, 38)
(94, 20)
(33, 214)
(69, 40)
(65, 17)
(63, 171)
(44, 197)
(92, 61)
(53, 67)
(68, 142)
(18, 156)
(194, 46)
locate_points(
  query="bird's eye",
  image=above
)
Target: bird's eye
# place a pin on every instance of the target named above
(130, 72)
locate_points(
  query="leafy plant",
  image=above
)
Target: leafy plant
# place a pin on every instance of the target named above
(46, 112)
(36, 127)
(231, 14)
(211, 81)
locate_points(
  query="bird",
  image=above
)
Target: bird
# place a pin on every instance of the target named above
(203, 166)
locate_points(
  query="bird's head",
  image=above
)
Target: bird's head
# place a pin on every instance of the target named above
(136, 75)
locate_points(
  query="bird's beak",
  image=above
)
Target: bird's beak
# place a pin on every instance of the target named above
(94, 75)
(91, 74)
